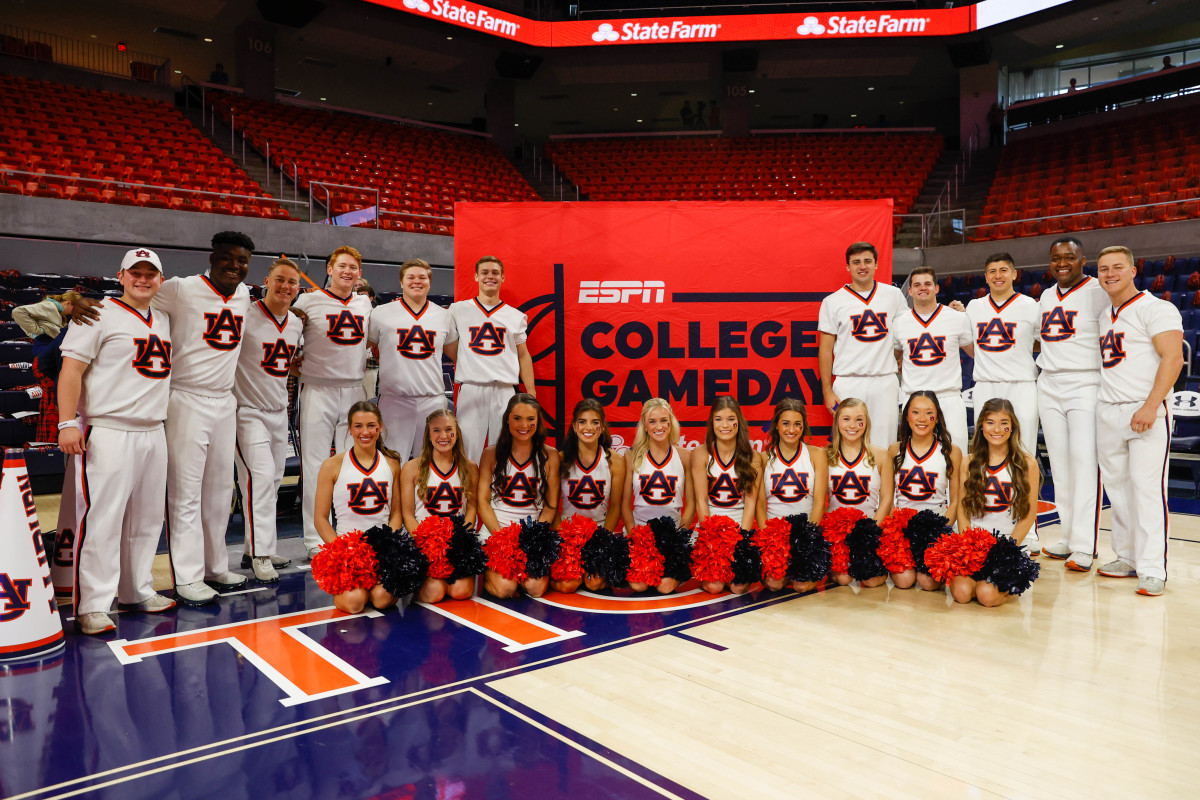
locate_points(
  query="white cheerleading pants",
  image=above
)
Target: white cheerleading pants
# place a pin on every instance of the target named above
(261, 450)
(1134, 468)
(881, 393)
(481, 414)
(404, 417)
(119, 484)
(1024, 398)
(323, 410)
(200, 442)
(954, 414)
(1067, 408)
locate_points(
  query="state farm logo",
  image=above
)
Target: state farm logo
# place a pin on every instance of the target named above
(471, 16)
(655, 31)
(418, 5)
(621, 291)
(811, 27)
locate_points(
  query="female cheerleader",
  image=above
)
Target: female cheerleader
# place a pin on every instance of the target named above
(726, 481)
(591, 481)
(1000, 489)
(440, 482)
(360, 487)
(860, 476)
(926, 464)
(519, 484)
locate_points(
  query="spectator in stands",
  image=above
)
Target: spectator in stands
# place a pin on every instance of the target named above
(686, 114)
(1072, 88)
(45, 323)
(362, 287)
(219, 75)
(995, 119)
(700, 116)
(1167, 63)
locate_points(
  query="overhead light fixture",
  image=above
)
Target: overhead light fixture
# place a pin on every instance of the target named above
(449, 38)
(633, 94)
(208, 38)
(322, 98)
(1058, 47)
(870, 88)
(639, 120)
(852, 116)
(751, 91)
(178, 72)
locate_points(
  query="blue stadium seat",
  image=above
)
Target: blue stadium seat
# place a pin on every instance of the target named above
(14, 400)
(10, 331)
(12, 352)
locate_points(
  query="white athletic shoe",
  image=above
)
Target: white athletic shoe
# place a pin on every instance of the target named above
(1079, 562)
(195, 594)
(155, 604)
(1032, 544)
(1151, 587)
(1058, 550)
(312, 551)
(1119, 568)
(94, 623)
(264, 571)
(278, 562)
(226, 581)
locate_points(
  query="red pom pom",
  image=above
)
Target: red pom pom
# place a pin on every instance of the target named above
(893, 543)
(712, 555)
(834, 527)
(575, 532)
(433, 537)
(646, 564)
(774, 541)
(958, 554)
(504, 553)
(346, 563)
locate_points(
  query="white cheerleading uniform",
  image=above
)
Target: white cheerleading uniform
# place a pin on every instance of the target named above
(922, 481)
(854, 484)
(445, 494)
(788, 484)
(1134, 465)
(997, 507)
(863, 364)
(487, 368)
(362, 494)
(207, 329)
(260, 389)
(410, 368)
(1004, 366)
(658, 489)
(1067, 390)
(331, 375)
(120, 479)
(929, 349)
(723, 495)
(585, 490)
(522, 495)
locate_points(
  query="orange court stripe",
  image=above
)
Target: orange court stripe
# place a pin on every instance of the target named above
(483, 616)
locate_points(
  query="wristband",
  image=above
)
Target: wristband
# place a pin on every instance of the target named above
(71, 423)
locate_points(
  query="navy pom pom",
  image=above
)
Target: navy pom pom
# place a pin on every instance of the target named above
(402, 566)
(464, 552)
(747, 560)
(863, 543)
(675, 545)
(541, 545)
(1008, 567)
(811, 555)
(606, 555)
(923, 530)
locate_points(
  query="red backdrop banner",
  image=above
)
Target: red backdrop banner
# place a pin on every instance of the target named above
(681, 300)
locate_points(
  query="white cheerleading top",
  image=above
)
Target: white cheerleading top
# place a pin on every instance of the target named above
(488, 339)
(522, 496)
(1070, 328)
(362, 495)
(445, 494)
(998, 494)
(1004, 337)
(658, 489)
(410, 347)
(585, 490)
(268, 345)
(854, 484)
(207, 328)
(863, 328)
(1128, 359)
(723, 495)
(335, 337)
(921, 482)
(788, 484)
(929, 349)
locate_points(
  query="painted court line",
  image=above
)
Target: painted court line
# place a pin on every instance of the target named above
(694, 640)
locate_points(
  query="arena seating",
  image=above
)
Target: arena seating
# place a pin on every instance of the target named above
(828, 166)
(419, 172)
(67, 134)
(1096, 174)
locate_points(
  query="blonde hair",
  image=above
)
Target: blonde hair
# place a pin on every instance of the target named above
(466, 475)
(344, 250)
(1116, 248)
(834, 451)
(66, 297)
(413, 263)
(282, 261)
(641, 439)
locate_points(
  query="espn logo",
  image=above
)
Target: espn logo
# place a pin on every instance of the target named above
(621, 291)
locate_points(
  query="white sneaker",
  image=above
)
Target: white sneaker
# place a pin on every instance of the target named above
(1120, 568)
(155, 604)
(1079, 562)
(195, 594)
(226, 580)
(1057, 550)
(264, 571)
(1032, 544)
(278, 562)
(312, 551)
(94, 622)
(1151, 587)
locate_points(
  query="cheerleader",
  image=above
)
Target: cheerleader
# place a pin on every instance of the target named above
(1000, 489)
(656, 470)
(359, 486)
(440, 482)
(794, 476)
(725, 475)
(860, 475)
(591, 480)
(519, 485)
(926, 464)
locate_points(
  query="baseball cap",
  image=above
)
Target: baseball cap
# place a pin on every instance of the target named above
(139, 254)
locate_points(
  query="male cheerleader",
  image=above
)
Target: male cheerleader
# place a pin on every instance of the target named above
(116, 377)
(855, 354)
(1005, 324)
(331, 372)
(270, 340)
(1141, 353)
(1067, 389)
(929, 337)
(207, 315)
(491, 359)
(411, 333)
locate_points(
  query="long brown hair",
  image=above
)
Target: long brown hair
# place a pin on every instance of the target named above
(366, 406)
(940, 434)
(504, 444)
(466, 471)
(570, 449)
(1018, 464)
(785, 405)
(743, 453)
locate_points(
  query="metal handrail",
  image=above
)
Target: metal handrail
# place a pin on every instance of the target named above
(122, 184)
(329, 201)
